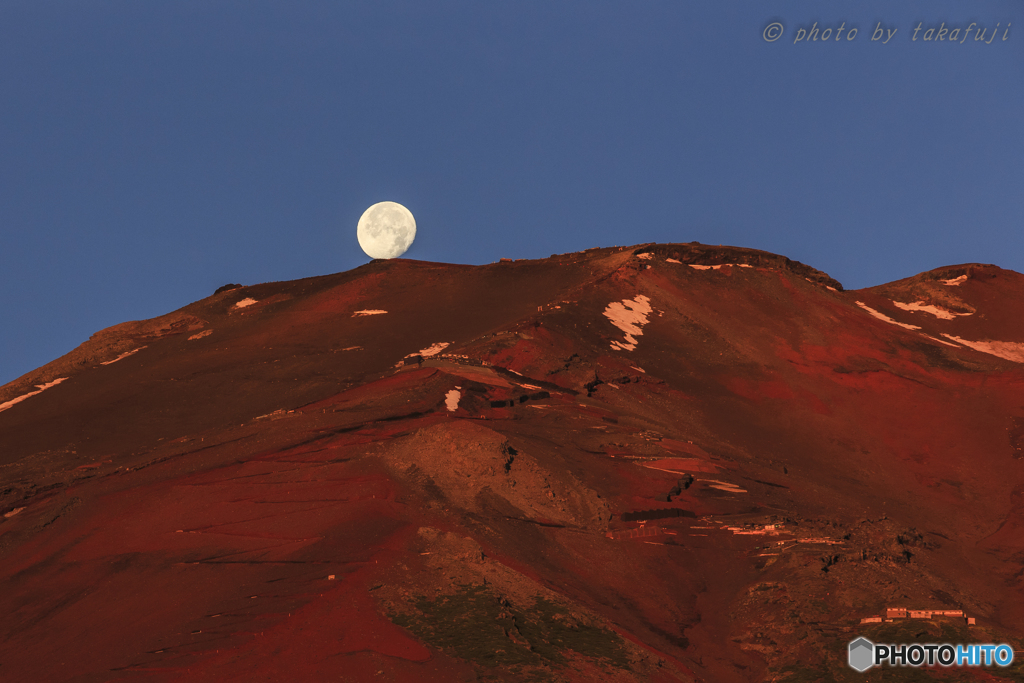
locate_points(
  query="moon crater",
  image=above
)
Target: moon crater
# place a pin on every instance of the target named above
(386, 230)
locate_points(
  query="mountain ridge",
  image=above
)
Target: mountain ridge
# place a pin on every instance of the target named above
(658, 462)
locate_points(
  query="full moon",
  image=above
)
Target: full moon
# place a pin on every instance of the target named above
(386, 230)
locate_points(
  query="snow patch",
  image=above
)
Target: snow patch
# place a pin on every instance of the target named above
(123, 355)
(433, 349)
(629, 316)
(40, 387)
(200, 335)
(276, 415)
(645, 256)
(359, 314)
(1009, 350)
(955, 282)
(672, 260)
(248, 301)
(940, 313)
(883, 316)
(451, 399)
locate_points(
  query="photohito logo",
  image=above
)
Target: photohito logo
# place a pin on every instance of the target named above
(863, 654)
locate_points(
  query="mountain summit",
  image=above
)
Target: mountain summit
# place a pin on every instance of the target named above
(666, 462)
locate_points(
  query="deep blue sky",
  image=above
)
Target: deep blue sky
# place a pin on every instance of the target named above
(152, 151)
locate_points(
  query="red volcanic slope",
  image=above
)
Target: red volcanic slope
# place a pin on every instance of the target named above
(656, 463)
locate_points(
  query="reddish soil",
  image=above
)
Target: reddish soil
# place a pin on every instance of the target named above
(287, 491)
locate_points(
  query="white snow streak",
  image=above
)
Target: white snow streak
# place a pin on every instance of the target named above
(200, 335)
(672, 260)
(1009, 350)
(722, 265)
(940, 313)
(359, 314)
(883, 316)
(40, 387)
(245, 302)
(123, 355)
(939, 340)
(955, 282)
(725, 486)
(629, 316)
(645, 256)
(451, 399)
